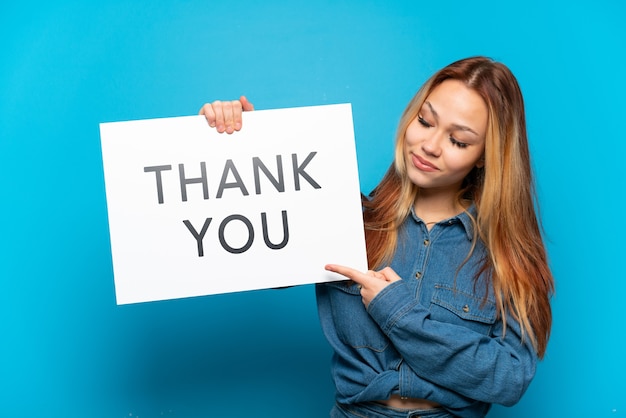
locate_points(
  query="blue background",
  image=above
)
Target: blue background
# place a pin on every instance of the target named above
(67, 350)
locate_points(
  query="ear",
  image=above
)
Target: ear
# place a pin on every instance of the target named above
(481, 162)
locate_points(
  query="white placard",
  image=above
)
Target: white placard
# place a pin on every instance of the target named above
(193, 212)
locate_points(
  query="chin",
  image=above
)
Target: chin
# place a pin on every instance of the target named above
(418, 179)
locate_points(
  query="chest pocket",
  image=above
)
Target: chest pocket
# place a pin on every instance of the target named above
(354, 326)
(458, 307)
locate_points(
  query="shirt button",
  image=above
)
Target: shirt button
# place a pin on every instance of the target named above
(426, 242)
(418, 275)
(466, 309)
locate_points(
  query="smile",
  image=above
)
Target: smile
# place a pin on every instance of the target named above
(422, 164)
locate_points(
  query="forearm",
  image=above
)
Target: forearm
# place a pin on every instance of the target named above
(486, 368)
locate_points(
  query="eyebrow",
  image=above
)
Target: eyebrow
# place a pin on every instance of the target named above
(454, 125)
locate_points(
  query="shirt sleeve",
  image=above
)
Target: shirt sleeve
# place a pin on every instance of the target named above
(487, 368)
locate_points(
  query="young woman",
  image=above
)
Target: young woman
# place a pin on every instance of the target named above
(455, 311)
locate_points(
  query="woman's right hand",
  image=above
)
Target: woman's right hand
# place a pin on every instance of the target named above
(226, 116)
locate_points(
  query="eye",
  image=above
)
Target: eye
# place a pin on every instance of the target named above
(457, 143)
(423, 122)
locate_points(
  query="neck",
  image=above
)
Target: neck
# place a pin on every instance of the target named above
(433, 207)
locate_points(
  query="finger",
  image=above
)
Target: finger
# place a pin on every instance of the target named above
(246, 104)
(237, 110)
(376, 274)
(350, 273)
(218, 109)
(343, 270)
(388, 274)
(209, 114)
(229, 124)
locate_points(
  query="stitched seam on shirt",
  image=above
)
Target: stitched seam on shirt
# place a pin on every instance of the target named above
(401, 313)
(479, 318)
(487, 316)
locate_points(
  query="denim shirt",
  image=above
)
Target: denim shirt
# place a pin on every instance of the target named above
(432, 335)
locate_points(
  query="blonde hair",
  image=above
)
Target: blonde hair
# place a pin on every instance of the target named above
(502, 191)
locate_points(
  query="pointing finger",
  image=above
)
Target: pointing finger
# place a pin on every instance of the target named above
(352, 274)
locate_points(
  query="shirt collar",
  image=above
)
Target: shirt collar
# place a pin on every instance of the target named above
(463, 217)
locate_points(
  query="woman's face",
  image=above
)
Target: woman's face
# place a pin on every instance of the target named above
(447, 138)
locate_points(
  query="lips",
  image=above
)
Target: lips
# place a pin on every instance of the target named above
(422, 164)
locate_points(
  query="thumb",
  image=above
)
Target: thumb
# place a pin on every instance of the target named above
(246, 104)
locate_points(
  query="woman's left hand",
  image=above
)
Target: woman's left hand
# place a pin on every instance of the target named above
(371, 282)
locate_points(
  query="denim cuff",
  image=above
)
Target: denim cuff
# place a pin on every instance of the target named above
(391, 304)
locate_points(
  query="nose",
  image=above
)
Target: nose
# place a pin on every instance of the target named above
(432, 144)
